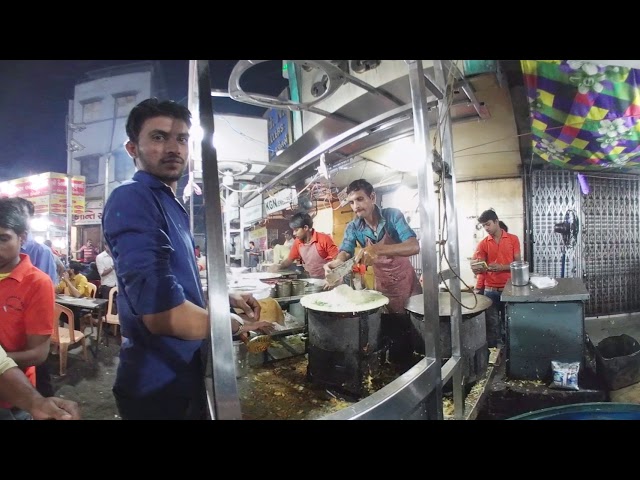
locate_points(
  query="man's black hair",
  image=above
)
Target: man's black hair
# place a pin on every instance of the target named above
(488, 215)
(26, 205)
(151, 108)
(12, 216)
(274, 242)
(77, 267)
(300, 219)
(360, 184)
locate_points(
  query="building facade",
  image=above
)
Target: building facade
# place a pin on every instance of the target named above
(96, 136)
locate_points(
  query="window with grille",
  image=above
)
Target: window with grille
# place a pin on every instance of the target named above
(123, 167)
(124, 103)
(90, 168)
(91, 110)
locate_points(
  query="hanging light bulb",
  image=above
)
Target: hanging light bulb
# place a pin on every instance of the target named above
(227, 179)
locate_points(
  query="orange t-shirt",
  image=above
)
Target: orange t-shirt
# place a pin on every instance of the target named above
(503, 253)
(26, 308)
(324, 243)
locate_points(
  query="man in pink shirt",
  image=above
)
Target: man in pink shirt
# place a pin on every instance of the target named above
(88, 252)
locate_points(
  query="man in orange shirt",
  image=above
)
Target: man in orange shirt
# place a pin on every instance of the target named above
(315, 249)
(498, 249)
(26, 299)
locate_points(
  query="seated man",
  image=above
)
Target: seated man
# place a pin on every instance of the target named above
(73, 282)
(76, 284)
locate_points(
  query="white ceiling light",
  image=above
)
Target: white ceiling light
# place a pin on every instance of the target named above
(230, 170)
(227, 179)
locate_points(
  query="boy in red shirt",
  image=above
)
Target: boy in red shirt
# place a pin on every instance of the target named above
(498, 249)
(26, 299)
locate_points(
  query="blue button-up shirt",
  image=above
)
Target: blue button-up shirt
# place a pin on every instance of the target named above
(148, 232)
(392, 222)
(41, 257)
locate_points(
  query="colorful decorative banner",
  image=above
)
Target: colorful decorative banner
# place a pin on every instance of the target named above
(584, 116)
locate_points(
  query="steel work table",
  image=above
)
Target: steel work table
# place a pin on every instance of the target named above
(544, 325)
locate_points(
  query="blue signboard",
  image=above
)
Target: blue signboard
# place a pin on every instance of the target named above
(278, 127)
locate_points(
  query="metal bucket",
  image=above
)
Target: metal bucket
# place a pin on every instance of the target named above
(519, 273)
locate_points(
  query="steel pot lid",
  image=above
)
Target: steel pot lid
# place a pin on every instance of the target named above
(415, 304)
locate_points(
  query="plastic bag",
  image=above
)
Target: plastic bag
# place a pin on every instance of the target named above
(565, 375)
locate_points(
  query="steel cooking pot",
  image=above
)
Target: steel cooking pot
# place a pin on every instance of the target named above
(283, 288)
(298, 287)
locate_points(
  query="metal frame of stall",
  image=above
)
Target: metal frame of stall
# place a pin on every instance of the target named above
(416, 394)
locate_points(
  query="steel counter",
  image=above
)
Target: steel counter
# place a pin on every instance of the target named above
(544, 325)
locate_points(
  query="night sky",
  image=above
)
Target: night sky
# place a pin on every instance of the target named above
(34, 102)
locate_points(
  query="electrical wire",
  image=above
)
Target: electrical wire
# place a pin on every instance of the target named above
(443, 120)
(240, 191)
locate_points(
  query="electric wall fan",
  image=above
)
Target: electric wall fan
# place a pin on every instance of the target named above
(568, 229)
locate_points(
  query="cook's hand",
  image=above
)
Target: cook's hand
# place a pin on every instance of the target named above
(368, 254)
(331, 265)
(264, 326)
(54, 408)
(247, 303)
(329, 286)
(496, 267)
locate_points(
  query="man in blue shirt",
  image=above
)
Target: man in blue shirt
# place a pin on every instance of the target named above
(161, 305)
(387, 240)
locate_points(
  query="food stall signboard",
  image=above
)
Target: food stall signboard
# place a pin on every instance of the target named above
(283, 199)
(48, 192)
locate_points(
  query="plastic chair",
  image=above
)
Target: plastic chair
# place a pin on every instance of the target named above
(110, 318)
(92, 289)
(66, 335)
(87, 319)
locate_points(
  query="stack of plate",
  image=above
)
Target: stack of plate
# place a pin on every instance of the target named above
(255, 287)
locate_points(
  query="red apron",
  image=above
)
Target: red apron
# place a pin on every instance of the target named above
(311, 260)
(395, 278)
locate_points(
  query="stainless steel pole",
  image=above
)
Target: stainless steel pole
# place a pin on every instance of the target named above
(428, 201)
(220, 378)
(107, 161)
(69, 175)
